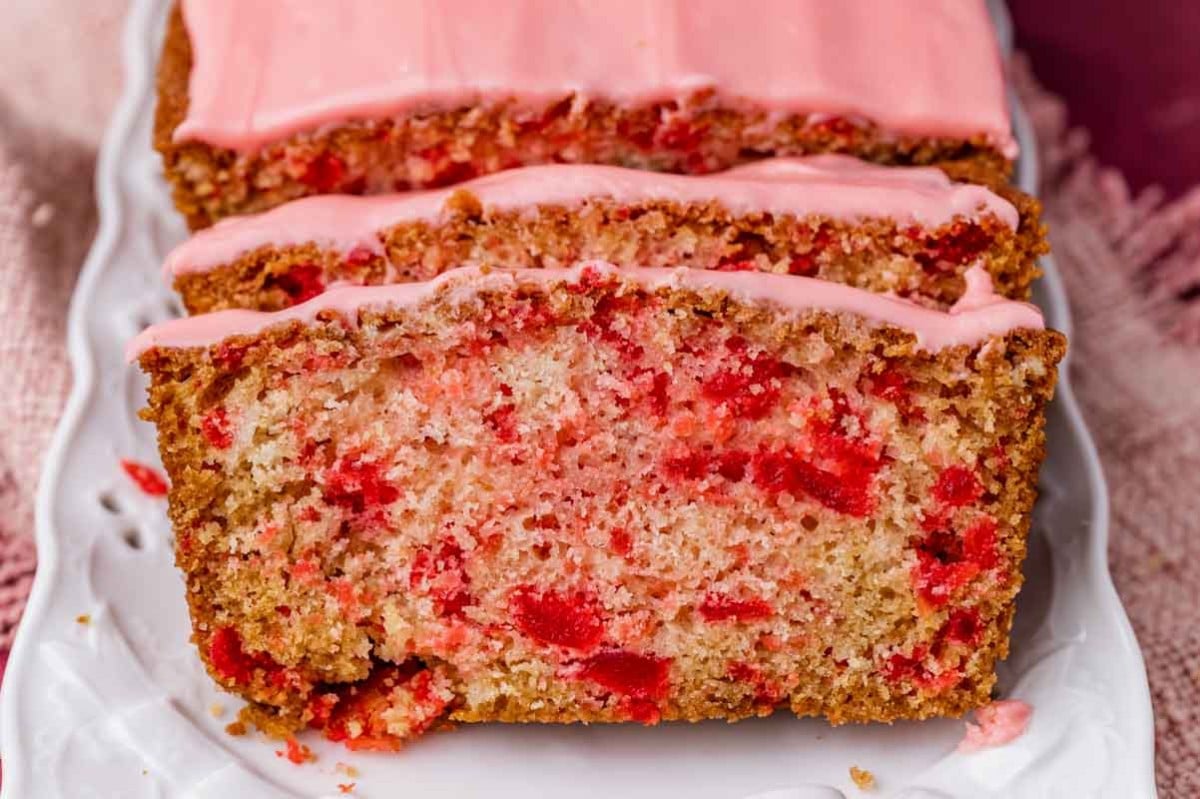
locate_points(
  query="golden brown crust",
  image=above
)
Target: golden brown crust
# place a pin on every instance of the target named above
(174, 67)
(446, 147)
(999, 390)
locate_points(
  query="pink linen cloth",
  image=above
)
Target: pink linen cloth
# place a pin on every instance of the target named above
(60, 75)
(1131, 265)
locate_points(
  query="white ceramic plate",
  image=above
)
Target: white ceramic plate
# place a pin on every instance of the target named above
(120, 706)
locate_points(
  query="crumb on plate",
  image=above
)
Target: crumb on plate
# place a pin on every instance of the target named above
(864, 779)
(296, 752)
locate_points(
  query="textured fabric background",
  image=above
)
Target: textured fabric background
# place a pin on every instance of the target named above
(60, 74)
(1131, 265)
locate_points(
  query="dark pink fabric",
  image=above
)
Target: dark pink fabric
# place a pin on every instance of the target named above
(1130, 74)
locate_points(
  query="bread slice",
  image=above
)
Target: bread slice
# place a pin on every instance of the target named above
(910, 231)
(601, 495)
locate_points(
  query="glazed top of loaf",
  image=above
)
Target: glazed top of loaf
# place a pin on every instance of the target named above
(979, 314)
(263, 71)
(832, 186)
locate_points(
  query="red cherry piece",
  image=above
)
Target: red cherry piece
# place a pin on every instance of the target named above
(446, 171)
(638, 129)
(900, 667)
(215, 427)
(979, 543)
(359, 256)
(601, 325)
(643, 711)
(453, 172)
(689, 466)
(836, 126)
(146, 478)
(358, 485)
(783, 471)
(296, 752)
(963, 243)
(362, 708)
(503, 423)
(570, 620)
(679, 134)
(803, 265)
(233, 663)
(324, 173)
(621, 541)
(740, 671)
(229, 356)
(722, 607)
(750, 389)
(852, 458)
(936, 583)
(659, 396)
(302, 282)
(440, 571)
(962, 627)
(732, 265)
(732, 465)
(699, 464)
(957, 486)
(629, 674)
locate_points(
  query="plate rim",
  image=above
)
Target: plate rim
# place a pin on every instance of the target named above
(137, 76)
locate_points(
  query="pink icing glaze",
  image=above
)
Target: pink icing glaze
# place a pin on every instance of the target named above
(835, 186)
(996, 724)
(263, 71)
(979, 314)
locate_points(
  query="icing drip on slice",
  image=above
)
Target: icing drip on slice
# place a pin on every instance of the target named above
(978, 315)
(832, 186)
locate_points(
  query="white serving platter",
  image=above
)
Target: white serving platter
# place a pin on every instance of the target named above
(120, 706)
